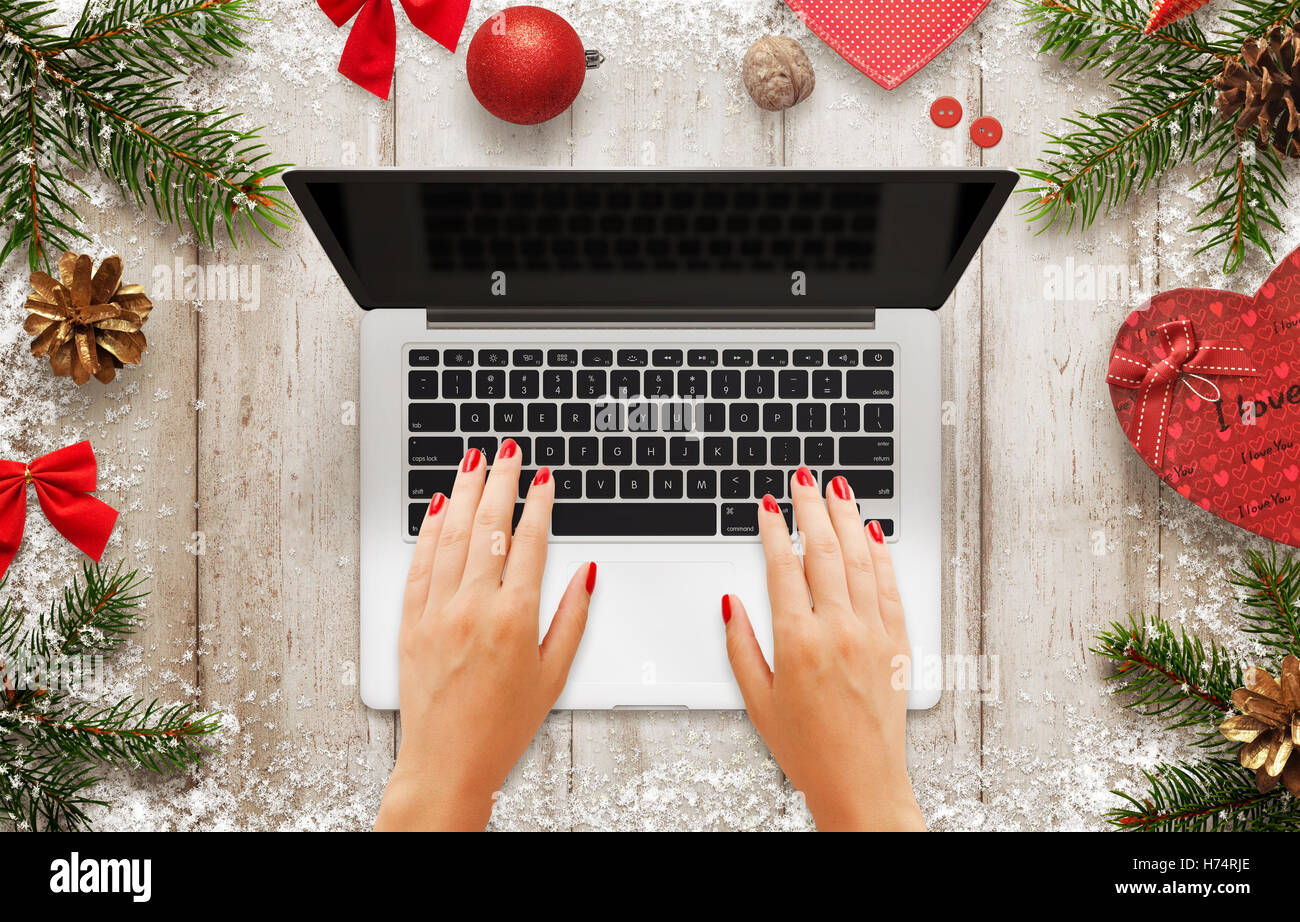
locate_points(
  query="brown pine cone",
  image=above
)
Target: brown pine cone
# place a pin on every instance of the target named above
(1269, 726)
(1260, 91)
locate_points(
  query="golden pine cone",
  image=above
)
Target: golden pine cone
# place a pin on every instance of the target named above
(1269, 726)
(1261, 90)
(87, 326)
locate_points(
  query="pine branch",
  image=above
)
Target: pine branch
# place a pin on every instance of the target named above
(1272, 600)
(1248, 184)
(1214, 794)
(111, 84)
(1171, 675)
(40, 791)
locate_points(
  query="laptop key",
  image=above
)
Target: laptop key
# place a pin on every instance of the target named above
(735, 484)
(827, 384)
(423, 357)
(872, 385)
(508, 417)
(431, 417)
(738, 357)
(475, 417)
(651, 451)
(550, 450)
(659, 384)
(769, 481)
(878, 417)
(490, 385)
(726, 384)
(493, 358)
(575, 417)
(692, 383)
(792, 385)
(867, 484)
(702, 358)
(718, 452)
(684, 451)
(424, 484)
(591, 384)
(431, 452)
(740, 519)
(458, 358)
(696, 520)
(865, 451)
(487, 444)
(877, 357)
(887, 527)
(562, 358)
(527, 358)
(811, 417)
(415, 517)
(773, 358)
(845, 417)
(713, 418)
(568, 484)
(600, 485)
(543, 417)
(456, 385)
(598, 358)
(634, 484)
(667, 484)
(744, 417)
(808, 358)
(702, 484)
(616, 452)
(624, 383)
(785, 451)
(760, 385)
(524, 385)
(633, 358)
(422, 385)
(819, 449)
(557, 385)
(666, 358)
(751, 452)
(778, 417)
(584, 452)
(842, 358)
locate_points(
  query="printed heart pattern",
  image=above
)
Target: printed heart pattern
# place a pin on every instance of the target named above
(1237, 456)
(888, 40)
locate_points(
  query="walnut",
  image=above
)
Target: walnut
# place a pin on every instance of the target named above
(777, 73)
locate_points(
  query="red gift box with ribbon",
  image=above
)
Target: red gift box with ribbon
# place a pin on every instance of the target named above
(1206, 385)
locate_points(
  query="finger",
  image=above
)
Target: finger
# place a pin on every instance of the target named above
(787, 588)
(822, 560)
(561, 641)
(489, 541)
(417, 578)
(891, 604)
(527, 558)
(458, 520)
(747, 661)
(858, 570)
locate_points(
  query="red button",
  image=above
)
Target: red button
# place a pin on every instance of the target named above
(945, 111)
(986, 131)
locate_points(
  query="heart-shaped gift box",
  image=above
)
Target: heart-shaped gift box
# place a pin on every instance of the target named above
(1206, 385)
(888, 40)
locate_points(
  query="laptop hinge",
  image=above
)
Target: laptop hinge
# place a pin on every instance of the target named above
(442, 317)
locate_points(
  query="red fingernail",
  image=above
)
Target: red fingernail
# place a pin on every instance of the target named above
(508, 449)
(726, 609)
(769, 504)
(472, 458)
(591, 577)
(543, 476)
(841, 488)
(878, 536)
(804, 477)
(435, 504)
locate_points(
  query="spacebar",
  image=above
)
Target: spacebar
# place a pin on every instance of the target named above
(632, 518)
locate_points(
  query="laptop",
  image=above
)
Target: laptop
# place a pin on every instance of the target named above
(672, 345)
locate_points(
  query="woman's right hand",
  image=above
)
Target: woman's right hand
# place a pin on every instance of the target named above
(833, 706)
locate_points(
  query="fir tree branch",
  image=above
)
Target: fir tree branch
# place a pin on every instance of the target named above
(1171, 675)
(1248, 185)
(1271, 592)
(1200, 796)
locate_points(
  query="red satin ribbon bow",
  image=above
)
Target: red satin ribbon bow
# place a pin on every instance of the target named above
(371, 48)
(1183, 356)
(63, 480)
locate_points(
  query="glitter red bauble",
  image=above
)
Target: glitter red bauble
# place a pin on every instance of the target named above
(526, 65)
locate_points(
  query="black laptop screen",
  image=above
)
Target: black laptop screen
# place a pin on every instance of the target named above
(681, 240)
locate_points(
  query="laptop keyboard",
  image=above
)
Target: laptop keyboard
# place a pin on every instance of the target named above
(673, 442)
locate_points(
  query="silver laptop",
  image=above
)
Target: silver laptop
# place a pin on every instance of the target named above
(672, 345)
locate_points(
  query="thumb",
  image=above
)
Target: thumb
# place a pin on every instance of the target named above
(747, 661)
(561, 641)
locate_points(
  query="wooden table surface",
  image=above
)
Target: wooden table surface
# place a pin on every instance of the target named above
(233, 451)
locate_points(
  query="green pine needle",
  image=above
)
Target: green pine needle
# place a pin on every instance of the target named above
(53, 739)
(1210, 795)
(102, 96)
(1164, 116)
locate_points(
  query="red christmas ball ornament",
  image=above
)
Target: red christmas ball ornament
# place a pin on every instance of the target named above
(526, 64)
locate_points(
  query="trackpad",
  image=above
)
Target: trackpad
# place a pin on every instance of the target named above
(654, 623)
